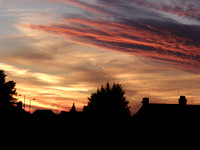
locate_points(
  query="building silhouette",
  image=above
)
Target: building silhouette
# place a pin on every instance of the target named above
(149, 113)
(43, 115)
(155, 112)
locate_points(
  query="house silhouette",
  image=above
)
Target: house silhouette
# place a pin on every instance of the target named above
(155, 112)
(44, 115)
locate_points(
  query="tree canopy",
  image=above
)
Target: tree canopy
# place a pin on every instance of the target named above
(109, 100)
(7, 90)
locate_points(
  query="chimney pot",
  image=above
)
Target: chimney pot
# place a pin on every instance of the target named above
(182, 100)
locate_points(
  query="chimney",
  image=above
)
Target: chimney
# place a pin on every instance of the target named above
(182, 100)
(145, 101)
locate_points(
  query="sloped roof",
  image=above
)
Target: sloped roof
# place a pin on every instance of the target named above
(167, 112)
(43, 114)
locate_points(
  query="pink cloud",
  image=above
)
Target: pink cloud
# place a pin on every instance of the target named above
(165, 45)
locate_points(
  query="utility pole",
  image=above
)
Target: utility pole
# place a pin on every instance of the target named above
(24, 102)
(30, 104)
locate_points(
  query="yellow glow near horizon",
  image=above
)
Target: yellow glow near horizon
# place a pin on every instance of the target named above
(68, 88)
(27, 73)
(47, 78)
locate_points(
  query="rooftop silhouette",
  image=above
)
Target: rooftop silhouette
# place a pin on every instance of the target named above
(168, 112)
(149, 112)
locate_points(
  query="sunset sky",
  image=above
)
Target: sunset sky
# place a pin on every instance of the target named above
(59, 51)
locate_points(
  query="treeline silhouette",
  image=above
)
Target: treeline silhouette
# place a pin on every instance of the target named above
(108, 103)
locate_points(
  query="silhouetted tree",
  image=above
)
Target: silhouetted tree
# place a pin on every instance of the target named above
(109, 101)
(7, 90)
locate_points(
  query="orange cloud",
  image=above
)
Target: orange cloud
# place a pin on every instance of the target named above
(146, 40)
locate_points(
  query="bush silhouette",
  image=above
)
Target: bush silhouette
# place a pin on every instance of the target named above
(109, 101)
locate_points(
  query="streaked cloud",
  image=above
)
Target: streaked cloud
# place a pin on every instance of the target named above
(68, 88)
(88, 6)
(26, 73)
(13, 69)
(47, 78)
(184, 8)
(168, 42)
